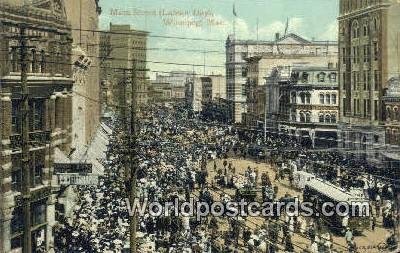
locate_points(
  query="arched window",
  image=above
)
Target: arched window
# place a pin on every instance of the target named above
(308, 117)
(304, 77)
(366, 29)
(376, 23)
(302, 117)
(321, 117)
(321, 98)
(332, 77)
(294, 115)
(308, 98)
(396, 113)
(328, 99)
(333, 118)
(321, 77)
(293, 97)
(354, 29)
(327, 118)
(303, 97)
(388, 113)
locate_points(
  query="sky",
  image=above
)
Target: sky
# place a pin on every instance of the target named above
(212, 20)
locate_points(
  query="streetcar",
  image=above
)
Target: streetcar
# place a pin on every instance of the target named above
(318, 192)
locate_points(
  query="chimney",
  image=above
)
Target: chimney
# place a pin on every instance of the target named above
(277, 36)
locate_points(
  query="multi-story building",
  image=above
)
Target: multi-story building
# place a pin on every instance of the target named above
(121, 48)
(262, 85)
(175, 78)
(159, 92)
(213, 87)
(309, 105)
(391, 103)
(237, 51)
(368, 58)
(193, 93)
(84, 18)
(50, 82)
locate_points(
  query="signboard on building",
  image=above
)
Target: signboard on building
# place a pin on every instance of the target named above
(67, 179)
(72, 168)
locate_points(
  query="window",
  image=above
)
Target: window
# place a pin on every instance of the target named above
(308, 98)
(17, 220)
(343, 55)
(37, 114)
(376, 51)
(34, 61)
(328, 99)
(37, 162)
(334, 99)
(308, 117)
(321, 117)
(14, 60)
(302, 117)
(355, 30)
(293, 97)
(321, 77)
(332, 77)
(366, 53)
(366, 29)
(333, 118)
(327, 118)
(244, 71)
(303, 98)
(305, 77)
(354, 54)
(42, 61)
(38, 213)
(321, 99)
(376, 80)
(15, 125)
(16, 180)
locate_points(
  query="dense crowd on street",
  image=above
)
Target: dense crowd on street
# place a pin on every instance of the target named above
(172, 152)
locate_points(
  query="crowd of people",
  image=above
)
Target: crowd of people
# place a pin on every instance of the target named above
(172, 151)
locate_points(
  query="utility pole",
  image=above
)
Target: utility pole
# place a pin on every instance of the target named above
(133, 160)
(26, 173)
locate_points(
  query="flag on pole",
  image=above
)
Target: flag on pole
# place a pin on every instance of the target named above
(234, 11)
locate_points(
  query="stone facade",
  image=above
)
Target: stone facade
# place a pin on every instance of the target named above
(119, 49)
(391, 102)
(367, 59)
(237, 51)
(50, 100)
(84, 18)
(262, 85)
(309, 105)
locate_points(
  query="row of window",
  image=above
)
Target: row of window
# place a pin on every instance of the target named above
(36, 115)
(321, 77)
(392, 114)
(357, 108)
(366, 27)
(37, 61)
(327, 99)
(327, 117)
(36, 161)
(364, 83)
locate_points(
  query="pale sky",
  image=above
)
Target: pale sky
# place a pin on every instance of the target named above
(307, 18)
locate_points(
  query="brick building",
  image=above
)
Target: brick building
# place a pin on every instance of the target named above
(50, 101)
